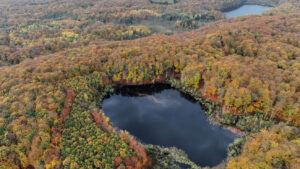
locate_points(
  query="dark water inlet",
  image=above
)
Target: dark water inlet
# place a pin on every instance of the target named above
(247, 10)
(168, 118)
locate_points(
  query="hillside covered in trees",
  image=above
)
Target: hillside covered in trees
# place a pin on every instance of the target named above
(30, 28)
(59, 59)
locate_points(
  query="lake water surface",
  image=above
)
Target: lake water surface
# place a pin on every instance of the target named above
(247, 10)
(168, 118)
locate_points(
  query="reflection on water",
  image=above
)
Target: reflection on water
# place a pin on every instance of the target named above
(247, 10)
(167, 118)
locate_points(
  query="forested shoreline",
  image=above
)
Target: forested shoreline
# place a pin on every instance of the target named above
(50, 28)
(57, 67)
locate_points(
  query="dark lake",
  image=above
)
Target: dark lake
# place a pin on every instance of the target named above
(247, 10)
(169, 118)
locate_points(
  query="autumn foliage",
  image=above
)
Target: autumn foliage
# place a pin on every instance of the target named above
(58, 63)
(277, 148)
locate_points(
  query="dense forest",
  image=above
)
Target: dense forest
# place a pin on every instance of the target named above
(32, 28)
(60, 59)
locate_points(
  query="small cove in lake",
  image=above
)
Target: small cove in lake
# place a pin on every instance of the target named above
(247, 10)
(169, 118)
